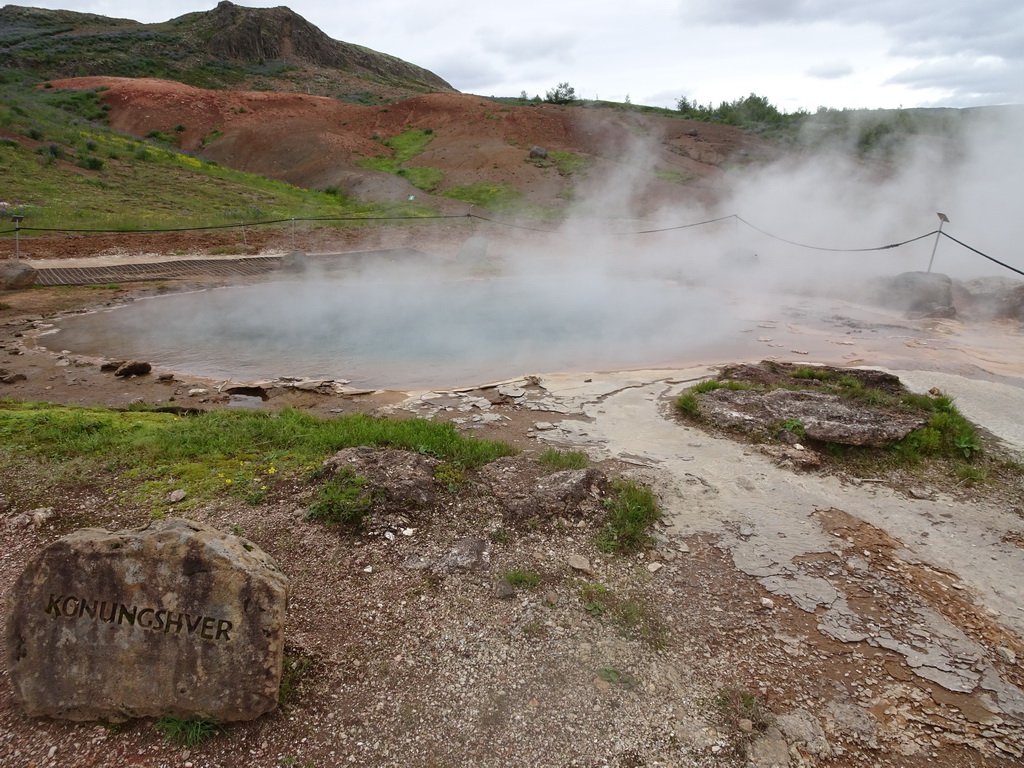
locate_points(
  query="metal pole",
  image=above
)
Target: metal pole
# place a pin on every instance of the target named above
(942, 220)
(17, 236)
(293, 234)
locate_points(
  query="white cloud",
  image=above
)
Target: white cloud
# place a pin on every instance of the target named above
(830, 70)
(518, 47)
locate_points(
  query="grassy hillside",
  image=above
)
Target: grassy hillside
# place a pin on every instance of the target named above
(64, 169)
(228, 47)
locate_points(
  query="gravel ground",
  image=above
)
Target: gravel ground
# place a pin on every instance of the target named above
(399, 656)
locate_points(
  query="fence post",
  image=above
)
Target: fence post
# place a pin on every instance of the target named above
(942, 220)
(17, 236)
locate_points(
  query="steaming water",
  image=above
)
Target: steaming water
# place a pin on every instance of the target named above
(408, 333)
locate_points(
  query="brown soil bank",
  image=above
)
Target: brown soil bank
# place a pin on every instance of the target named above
(313, 141)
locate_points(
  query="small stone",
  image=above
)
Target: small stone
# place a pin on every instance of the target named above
(602, 685)
(467, 554)
(36, 517)
(504, 590)
(746, 531)
(175, 496)
(198, 391)
(543, 426)
(655, 567)
(133, 368)
(745, 725)
(766, 603)
(580, 563)
(1007, 654)
(551, 597)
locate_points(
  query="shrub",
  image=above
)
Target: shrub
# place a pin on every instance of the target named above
(735, 704)
(90, 163)
(632, 510)
(343, 500)
(563, 93)
(687, 403)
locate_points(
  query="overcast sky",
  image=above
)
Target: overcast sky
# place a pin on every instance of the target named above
(798, 53)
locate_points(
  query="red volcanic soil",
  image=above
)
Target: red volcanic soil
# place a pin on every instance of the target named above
(312, 141)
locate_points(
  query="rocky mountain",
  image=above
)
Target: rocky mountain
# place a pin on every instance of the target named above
(228, 47)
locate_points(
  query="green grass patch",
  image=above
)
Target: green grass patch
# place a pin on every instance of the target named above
(425, 177)
(500, 198)
(408, 144)
(188, 733)
(816, 374)
(687, 402)
(568, 164)
(487, 195)
(672, 175)
(688, 405)
(634, 616)
(451, 476)
(344, 500)
(554, 460)
(632, 510)
(135, 183)
(405, 146)
(948, 434)
(218, 452)
(523, 579)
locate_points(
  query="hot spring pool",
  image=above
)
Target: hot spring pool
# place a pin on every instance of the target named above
(407, 333)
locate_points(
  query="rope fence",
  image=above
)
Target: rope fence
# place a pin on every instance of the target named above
(511, 225)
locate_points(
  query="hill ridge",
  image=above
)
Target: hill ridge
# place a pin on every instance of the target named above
(230, 46)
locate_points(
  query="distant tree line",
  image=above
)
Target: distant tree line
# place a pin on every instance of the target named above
(752, 110)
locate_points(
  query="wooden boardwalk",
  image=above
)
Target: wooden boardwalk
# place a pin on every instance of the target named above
(250, 266)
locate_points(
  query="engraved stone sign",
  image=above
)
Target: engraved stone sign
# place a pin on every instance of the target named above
(173, 619)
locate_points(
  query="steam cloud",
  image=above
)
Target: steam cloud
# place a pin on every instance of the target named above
(595, 298)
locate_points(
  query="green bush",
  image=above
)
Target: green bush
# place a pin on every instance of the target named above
(563, 93)
(632, 510)
(343, 500)
(90, 163)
